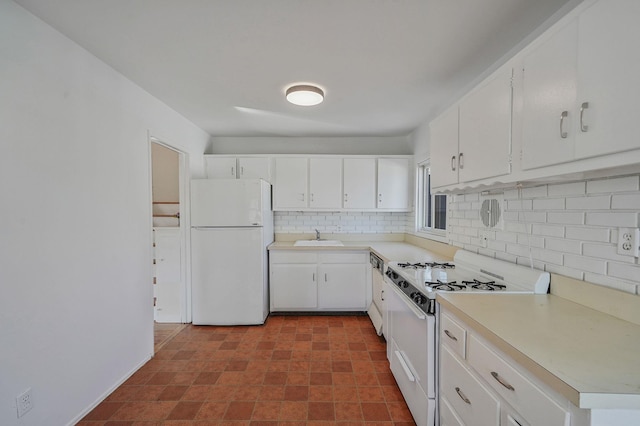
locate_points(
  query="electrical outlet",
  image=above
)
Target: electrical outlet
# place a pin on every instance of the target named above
(628, 241)
(24, 402)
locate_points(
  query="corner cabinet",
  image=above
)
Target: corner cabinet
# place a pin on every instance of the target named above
(472, 140)
(338, 183)
(323, 280)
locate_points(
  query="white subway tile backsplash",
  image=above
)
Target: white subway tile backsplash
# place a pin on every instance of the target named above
(530, 240)
(586, 264)
(520, 205)
(605, 251)
(623, 184)
(563, 245)
(613, 219)
(601, 202)
(569, 218)
(588, 234)
(564, 189)
(506, 257)
(626, 201)
(548, 230)
(624, 271)
(549, 204)
(534, 192)
(539, 217)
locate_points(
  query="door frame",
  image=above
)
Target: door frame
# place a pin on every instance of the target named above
(184, 174)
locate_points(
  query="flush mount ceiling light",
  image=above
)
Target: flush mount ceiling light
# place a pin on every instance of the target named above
(305, 95)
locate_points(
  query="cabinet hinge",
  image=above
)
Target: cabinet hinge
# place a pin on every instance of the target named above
(155, 299)
(154, 280)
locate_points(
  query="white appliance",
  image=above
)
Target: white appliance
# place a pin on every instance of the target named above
(231, 227)
(412, 312)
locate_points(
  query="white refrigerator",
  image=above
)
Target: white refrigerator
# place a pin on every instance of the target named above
(231, 227)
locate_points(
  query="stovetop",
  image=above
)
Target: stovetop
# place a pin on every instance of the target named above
(469, 272)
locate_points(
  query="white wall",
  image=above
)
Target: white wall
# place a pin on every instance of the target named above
(383, 145)
(75, 241)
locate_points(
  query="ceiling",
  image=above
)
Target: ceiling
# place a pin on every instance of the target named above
(386, 66)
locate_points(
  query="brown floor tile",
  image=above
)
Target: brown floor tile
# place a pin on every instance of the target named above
(321, 379)
(348, 411)
(172, 393)
(290, 410)
(212, 410)
(266, 410)
(320, 393)
(239, 410)
(275, 378)
(345, 393)
(296, 393)
(321, 411)
(375, 411)
(342, 366)
(185, 410)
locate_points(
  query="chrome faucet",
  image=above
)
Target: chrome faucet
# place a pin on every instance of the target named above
(317, 235)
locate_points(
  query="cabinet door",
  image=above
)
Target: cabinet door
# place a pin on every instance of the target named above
(359, 183)
(293, 286)
(485, 129)
(608, 71)
(342, 286)
(167, 275)
(220, 167)
(443, 164)
(325, 183)
(290, 185)
(393, 183)
(254, 168)
(549, 98)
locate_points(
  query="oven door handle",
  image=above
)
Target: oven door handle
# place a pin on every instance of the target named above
(405, 367)
(421, 315)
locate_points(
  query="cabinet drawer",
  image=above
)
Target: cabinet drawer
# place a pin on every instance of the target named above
(343, 257)
(525, 397)
(447, 416)
(453, 335)
(474, 404)
(293, 257)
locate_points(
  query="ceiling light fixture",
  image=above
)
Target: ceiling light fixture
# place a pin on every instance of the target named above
(305, 95)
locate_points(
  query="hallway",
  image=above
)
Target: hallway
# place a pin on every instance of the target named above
(294, 370)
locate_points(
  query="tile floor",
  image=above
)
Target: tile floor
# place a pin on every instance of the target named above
(294, 370)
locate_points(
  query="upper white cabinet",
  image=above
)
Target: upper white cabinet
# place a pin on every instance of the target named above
(290, 183)
(342, 183)
(325, 183)
(359, 182)
(580, 87)
(226, 167)
(394, 184)
(472, 140)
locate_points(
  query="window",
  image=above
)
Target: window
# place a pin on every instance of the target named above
(431, 215)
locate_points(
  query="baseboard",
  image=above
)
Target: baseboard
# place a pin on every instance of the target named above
(108, 392)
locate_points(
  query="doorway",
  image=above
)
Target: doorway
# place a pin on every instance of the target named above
(169, 180)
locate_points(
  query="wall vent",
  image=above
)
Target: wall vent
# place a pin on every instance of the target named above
(491, 207)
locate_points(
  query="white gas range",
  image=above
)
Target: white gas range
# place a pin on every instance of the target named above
(412, 315)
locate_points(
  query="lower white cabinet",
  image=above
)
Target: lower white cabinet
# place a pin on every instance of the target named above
(305, 280)
(480, 386)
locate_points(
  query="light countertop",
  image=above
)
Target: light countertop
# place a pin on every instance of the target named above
(389, 251)
(591, 358)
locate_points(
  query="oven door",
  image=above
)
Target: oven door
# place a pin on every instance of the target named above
(411, 352)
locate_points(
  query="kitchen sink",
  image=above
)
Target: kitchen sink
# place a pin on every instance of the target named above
(318, 243)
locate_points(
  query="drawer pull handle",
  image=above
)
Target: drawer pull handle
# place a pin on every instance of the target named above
(501, 381)
(462, 396)
(450, 336)
(564, 115)
(583, 127)
(405, 367)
